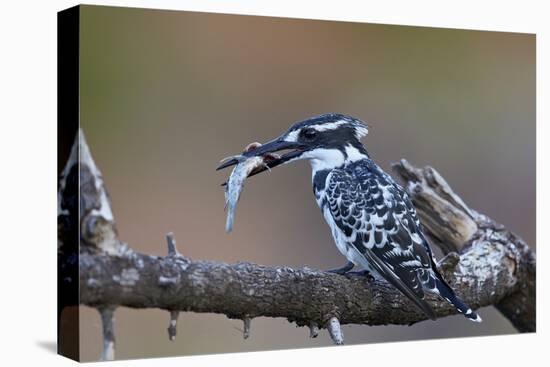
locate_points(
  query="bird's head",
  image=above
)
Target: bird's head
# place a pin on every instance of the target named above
(328, 141)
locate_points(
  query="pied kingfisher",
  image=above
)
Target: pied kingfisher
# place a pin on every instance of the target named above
(372, 219)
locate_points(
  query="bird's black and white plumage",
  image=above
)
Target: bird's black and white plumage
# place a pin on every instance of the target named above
(376, 227)
(372, 220)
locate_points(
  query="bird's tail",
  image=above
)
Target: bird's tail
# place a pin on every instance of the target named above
(446, 292)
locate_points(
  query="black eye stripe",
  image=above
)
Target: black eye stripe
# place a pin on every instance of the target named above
(309, 133)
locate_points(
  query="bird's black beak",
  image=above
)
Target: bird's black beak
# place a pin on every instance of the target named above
(273, 146)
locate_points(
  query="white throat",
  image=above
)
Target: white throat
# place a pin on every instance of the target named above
(322, 159)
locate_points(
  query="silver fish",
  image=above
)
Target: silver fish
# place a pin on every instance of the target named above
(235, 184)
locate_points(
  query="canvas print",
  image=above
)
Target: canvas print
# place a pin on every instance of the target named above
(233, 183)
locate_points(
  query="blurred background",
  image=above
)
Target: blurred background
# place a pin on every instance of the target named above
(165, 95)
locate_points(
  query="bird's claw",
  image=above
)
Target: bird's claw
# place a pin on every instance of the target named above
(362, 273)
(343, 270)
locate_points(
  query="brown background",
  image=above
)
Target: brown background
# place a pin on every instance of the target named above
(166, 95)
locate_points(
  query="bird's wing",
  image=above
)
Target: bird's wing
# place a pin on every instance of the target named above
(372, 215)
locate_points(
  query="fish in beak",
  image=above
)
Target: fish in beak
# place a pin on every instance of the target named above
(267, 151)
(256, 158)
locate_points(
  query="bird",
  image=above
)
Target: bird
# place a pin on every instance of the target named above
(371, 217)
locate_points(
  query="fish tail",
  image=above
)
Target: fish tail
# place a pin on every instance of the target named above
(229, 221)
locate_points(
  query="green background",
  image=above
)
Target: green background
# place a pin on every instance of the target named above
(165, 95)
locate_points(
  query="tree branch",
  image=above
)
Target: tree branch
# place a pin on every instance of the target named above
(494, 267)
(455, 227)
(485, 274)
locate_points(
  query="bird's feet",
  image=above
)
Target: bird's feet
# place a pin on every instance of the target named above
(361, 273)
(343, 270)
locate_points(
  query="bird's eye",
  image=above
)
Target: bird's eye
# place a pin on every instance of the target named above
(309, 134)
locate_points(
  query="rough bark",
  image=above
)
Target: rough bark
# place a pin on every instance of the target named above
(485, 264)
(484, 275)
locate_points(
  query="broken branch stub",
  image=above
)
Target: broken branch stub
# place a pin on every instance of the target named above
(335, 330)
(442, 212)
